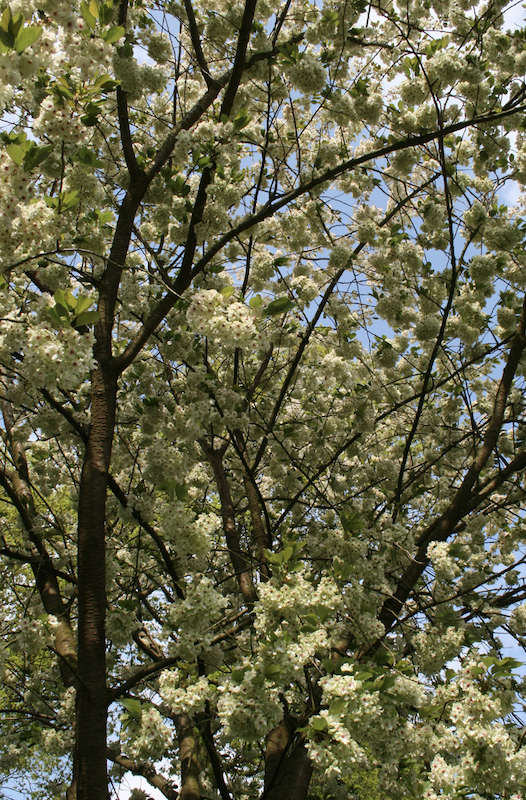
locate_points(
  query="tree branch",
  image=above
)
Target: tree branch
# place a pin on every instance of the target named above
(145, 770)
(239, 562)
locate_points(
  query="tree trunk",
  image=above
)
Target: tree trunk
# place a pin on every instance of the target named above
(92, 696)
(288, 768)
(189, 767)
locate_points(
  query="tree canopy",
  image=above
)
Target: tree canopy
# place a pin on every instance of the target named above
(262, 370)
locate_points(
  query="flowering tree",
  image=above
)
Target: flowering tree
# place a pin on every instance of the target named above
(263, 399)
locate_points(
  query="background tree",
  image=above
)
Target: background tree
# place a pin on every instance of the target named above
(263, 323)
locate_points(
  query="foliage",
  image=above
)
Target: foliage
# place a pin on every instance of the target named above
(263, 397)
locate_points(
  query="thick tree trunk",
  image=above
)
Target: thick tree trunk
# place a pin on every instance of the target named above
(288, 768)
(92, 696)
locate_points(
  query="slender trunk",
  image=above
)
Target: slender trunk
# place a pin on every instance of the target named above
(241, 565)
(260, 535)
(92, 696)
(189, 767)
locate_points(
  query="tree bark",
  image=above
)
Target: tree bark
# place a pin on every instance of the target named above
(92, 695)
(238, 560)
(189, 767)
(288, 768)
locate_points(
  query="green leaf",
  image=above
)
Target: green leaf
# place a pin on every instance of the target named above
(89, 120)
(82, 241)
(16, 153)
(133, 706)
(56, 317)
(181, 491)
(6, 36)
(27, 37)
(351, 521)
(337, 706)
(87, 157)
(94, 108)
(88, 318)
(113, 34)
(69, 200)
(386, 683)
(256, 302)
(36, 155)
(363, 676)
(330, 17)
(87, 16)
(279, 306)
(82, 304)
(178, 186)
(271, 669)
(94, 7)
(106, 216)
(5, 20)
(286, 553)
(227, 291)
(15, 26)
(65, 299)
(486, 660)
(242, 119)
(273, 558)
(319, 723)
(505, 666)
(106, 83)
(106, 13)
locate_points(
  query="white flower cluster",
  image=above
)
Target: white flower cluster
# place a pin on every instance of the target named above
(32, 636)
(120, 626)
(135, 79)
(249, 709)
(517, 621)
(476, 749)
(148, 740)
(232, 325)
(159, 47)
(54, 357)
(436, 646)
(340, 257)
(366, 218)
(194, 617)
(308, 74)
(190, 537)
(184, 696)
(61, 124)
(443, 564)
(34, 228)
